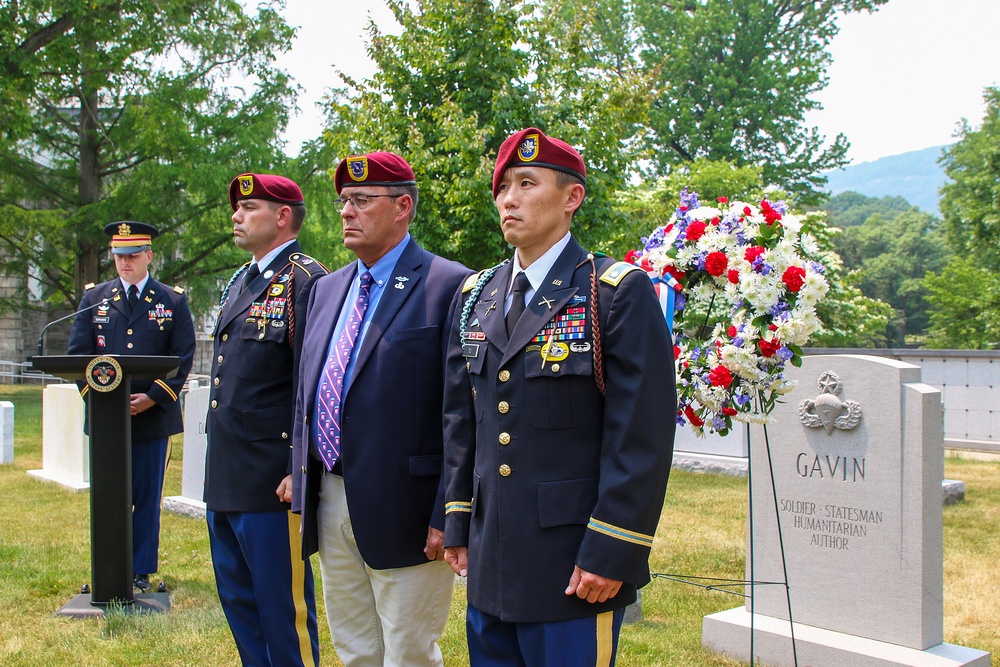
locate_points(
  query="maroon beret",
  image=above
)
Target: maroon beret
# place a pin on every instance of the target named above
(264, 186)
(532, 147)
(374, 169)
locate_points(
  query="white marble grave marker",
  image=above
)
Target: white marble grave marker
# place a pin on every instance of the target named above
(190, 501)
(65, 448)
(857, 454)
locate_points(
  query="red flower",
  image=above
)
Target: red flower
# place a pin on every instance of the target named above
(646, 265)
(770, 215)
(734, 276)
(723, 200)
(716, 221)
(768, 347)
(695, 230)
(729, 412)
(794, 277)
(732, 331)
(676, 273)
(720, 377)
(692, 417)
(747, 210)
(677, 352)
(631, 256)
(753, 252)
(716, 263)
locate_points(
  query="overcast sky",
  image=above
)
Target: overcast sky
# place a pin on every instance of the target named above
(902, 78)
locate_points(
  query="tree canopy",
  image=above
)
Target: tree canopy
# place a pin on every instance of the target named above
(128, 110)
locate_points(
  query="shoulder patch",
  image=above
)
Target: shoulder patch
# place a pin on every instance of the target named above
(470, 282)
(617, 271)
(89, 286)
(307, 264)
(178, 289)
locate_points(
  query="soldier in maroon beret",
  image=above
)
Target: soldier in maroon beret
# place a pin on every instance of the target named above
(367, 446)
(556, 452)
(265, 587)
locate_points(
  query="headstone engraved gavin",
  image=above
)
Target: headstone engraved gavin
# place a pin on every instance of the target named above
(857, 455)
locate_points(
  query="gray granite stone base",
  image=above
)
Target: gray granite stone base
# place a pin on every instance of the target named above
(735, 466)
(184, 506)
(728, 632)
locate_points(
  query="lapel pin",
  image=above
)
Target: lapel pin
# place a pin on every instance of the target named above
(494, 292)
(548, 302)
(492, 306)
(399, 285)
(402, 279)
(268, 274)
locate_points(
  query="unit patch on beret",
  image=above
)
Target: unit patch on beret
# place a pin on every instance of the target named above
(528, 150)
(246, 185)
(357, 168)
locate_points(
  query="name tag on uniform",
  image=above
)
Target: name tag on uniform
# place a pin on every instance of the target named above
(470, 350)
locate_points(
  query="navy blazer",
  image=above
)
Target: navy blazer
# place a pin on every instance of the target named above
(252, 401)
(160, 326)
(391, 435)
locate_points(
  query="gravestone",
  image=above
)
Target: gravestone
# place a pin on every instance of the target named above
(190, 502)
(6, 432)
(65, 448)
(857, 454)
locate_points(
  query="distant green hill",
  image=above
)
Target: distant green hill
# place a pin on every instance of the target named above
(916, 176)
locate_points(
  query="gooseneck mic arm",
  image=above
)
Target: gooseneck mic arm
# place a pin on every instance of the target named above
(41, 336)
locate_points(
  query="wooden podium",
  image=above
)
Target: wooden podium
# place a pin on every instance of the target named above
(109, 378)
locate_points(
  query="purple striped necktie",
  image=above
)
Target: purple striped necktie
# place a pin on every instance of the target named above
(331, 385)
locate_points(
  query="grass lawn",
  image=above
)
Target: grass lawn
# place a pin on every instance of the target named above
(45, 558)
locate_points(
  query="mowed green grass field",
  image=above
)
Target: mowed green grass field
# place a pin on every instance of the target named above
(45, 558)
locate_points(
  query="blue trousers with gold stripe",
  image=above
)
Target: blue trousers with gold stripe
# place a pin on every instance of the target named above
(265, 587)
(591, 641)
(149, 460)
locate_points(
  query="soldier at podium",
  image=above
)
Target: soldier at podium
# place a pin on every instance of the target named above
(145, 317)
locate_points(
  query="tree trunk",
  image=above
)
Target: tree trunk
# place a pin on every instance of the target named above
(89, 187)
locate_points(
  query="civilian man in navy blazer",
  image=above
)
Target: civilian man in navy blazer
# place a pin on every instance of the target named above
(158, 324)
(377, 516)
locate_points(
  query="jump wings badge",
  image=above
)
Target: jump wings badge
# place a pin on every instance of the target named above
(827, 410)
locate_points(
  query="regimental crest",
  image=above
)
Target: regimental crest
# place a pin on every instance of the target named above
(827, 410)
(357, 167)
(124, 230)
(246, 185)
(528, 150)
(104, 374)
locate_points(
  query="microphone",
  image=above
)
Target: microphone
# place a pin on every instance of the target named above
(41, 336)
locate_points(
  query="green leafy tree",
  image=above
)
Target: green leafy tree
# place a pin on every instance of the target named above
(125, 110)
(965, 306)
(970, 203)
(465, 74)
(851, 209)
(891, 257)
(734, 81)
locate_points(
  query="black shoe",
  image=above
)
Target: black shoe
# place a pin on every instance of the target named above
(141, 583)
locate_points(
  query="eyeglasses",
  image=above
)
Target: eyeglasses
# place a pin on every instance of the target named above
(359, 202)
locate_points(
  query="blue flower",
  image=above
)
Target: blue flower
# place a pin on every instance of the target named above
(784, 353)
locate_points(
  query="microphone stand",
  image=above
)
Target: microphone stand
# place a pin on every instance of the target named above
(41, 336)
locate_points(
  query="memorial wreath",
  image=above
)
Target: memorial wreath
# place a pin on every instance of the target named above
(746, 280)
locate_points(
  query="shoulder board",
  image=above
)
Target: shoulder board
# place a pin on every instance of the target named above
(617, 271)
(178, 289)
(470, 282)
(307, 263)
(89, 286)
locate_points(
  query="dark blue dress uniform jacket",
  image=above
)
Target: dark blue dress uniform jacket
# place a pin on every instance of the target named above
(253, 396)
(391, 427)
(542, 471)
(160, 326)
